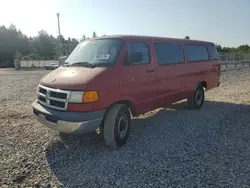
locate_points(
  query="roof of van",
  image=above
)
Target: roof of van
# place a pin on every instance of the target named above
(155, 38)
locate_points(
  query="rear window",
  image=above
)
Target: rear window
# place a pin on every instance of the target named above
(168, 53)
(213, 53)
(196, 52)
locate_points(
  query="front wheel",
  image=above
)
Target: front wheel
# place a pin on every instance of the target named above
(196, 101)
(117, 125)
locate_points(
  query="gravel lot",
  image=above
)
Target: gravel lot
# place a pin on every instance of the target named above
(171, 147)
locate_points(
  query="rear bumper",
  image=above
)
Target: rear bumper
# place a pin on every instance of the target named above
(68, 122)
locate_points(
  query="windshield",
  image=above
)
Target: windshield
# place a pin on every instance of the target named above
(101, 52)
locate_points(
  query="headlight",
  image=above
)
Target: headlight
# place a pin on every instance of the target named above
(83, 97)
(76, 97)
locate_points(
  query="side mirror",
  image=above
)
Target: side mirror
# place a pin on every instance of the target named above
(135, 57)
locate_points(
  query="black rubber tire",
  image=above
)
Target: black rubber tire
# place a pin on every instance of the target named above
(110, 129)
(192, 101)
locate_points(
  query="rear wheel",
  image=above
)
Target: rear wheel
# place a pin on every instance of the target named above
(117, 125)
(196, 101)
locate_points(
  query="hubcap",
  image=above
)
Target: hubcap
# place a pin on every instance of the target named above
(123, 126)
(198, 97)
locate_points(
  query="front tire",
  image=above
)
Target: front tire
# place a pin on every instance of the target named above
(196, 101)
(117, 125)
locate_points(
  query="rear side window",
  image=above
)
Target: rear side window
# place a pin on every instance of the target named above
(196, 52)
(168, 53)
(213, 53)
(138, 47)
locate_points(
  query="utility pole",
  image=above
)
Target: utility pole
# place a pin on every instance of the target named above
(60, 42)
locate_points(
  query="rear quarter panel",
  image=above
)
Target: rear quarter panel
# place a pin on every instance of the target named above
(202, 71)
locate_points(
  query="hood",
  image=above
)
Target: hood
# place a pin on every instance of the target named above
(70, 78)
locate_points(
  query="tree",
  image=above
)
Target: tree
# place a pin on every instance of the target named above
(44, 45)
(75, 42)
(94, 35)
(83, 38)
(243, 48)
(187, 37)
(12, 40)
(219, 48)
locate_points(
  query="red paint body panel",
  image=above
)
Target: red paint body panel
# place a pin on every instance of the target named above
(137, 84)
(145, 91)
(71, 78)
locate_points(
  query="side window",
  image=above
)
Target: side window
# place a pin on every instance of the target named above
(196, 52)
(213, 53)
(134, 49)
(168, 53)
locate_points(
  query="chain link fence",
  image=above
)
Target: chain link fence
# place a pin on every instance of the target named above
(36, 64)
(231, 56)
(230, 60)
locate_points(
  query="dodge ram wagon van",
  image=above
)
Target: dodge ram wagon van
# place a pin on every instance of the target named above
(107, 80)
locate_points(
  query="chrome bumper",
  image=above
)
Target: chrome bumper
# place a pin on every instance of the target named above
(68, 122)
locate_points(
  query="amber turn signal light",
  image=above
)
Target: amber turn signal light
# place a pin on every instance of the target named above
(90, 96)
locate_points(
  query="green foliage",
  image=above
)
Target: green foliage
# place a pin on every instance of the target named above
(11, 41)
(83, 38)
(94, 35)
(42, 46)
(242, 48)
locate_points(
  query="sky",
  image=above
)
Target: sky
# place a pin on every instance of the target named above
(225, 22)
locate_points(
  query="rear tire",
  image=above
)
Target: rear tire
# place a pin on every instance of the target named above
(196, 101)
(117, 125)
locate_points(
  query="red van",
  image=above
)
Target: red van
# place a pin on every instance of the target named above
(107, 80)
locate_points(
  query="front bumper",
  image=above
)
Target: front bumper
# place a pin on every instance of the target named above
(68, 122)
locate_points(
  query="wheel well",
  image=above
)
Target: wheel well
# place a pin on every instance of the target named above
(204, 84)
(129, 104)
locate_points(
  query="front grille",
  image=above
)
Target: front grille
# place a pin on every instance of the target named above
(42, 90)
(57, 104)
(53, 98)
(43, 99)
(58, 95)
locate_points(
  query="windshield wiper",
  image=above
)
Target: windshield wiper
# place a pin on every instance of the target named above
(84, 64)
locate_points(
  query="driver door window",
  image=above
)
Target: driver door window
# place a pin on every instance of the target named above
(136, 47)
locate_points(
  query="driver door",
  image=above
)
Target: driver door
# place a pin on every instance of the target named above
(137, 76)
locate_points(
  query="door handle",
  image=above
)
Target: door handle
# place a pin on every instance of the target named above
(150, 70)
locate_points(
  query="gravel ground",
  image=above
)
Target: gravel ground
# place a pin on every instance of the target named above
(171, 147)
